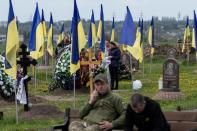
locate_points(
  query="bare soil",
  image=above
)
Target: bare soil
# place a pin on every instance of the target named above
(42, 112)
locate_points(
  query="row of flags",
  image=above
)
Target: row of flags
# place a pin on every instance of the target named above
(36, 41)
(194, 34)
(38, 35)
(187, 34)
(132, 40)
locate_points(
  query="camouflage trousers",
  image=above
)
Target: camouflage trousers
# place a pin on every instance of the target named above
(83, 126)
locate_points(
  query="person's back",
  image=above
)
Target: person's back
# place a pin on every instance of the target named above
(147, 117)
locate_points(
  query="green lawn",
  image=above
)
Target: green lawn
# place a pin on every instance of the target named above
(188, 85)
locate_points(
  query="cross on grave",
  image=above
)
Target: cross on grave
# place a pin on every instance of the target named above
(89, 63)
(25, 62)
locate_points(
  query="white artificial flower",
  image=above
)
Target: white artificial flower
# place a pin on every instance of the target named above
(63, 82)
(5, 92)
(3, 87)
(8, 94)
(137, 85)
(1, 83)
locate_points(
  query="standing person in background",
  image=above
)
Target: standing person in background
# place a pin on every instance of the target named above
(114, 55)
(61, 45)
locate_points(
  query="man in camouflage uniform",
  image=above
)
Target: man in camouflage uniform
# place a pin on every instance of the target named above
(104, 110)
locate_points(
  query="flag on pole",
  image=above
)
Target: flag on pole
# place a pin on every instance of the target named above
(151, 36)
(61, 35)
(194, 34)
(186, 34)
(113, 31)
(50, 37)
(43, 24)
(128, 33)
(36, 40)
(136, 49)
(78, 40)
(12, 42)
(92, 32)
(101, 33)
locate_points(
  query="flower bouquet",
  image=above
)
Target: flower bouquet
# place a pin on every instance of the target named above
(6, 82)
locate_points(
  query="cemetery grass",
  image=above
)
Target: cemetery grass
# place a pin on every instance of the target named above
(188, 85)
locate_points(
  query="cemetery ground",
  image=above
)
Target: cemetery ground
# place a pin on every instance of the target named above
(44, 101)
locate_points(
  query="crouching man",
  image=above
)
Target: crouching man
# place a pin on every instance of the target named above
(104, 110)
(145, 114)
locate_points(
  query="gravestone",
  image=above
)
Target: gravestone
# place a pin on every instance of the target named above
(172, 53)
(170, 89)
(171, 75)
(126, 61)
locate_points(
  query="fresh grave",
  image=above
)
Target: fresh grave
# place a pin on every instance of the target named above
(62, 77)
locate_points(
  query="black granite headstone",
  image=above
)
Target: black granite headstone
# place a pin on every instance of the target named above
(170, 75)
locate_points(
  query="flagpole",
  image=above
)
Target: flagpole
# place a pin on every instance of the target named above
(143, 68)
(131, 66)
(142, 60)
(35, 81)
(187, 51)
(46, 65)
(16, 104)
(74, 91)
(52, 63)
(151, 61)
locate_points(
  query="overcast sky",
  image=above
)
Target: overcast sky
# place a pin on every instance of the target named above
(63, 9)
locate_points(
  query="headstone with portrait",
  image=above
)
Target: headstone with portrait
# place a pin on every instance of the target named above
(172, 53)
(170, 75)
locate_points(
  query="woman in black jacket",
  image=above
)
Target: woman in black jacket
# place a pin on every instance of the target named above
(114, 55)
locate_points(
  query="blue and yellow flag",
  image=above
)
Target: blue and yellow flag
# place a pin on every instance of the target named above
(43, 24)
(36, 40)
(151, 36)
(50, 37)
(113, 31)
(136, 49)
(92, 32)
(101, 33)
(128, 33)
(78, 40)
(61, 35)
(186, 34)
(12, 42)
(194, 34)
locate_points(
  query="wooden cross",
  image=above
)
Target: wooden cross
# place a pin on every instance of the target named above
(25, 62)
(89, 63)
